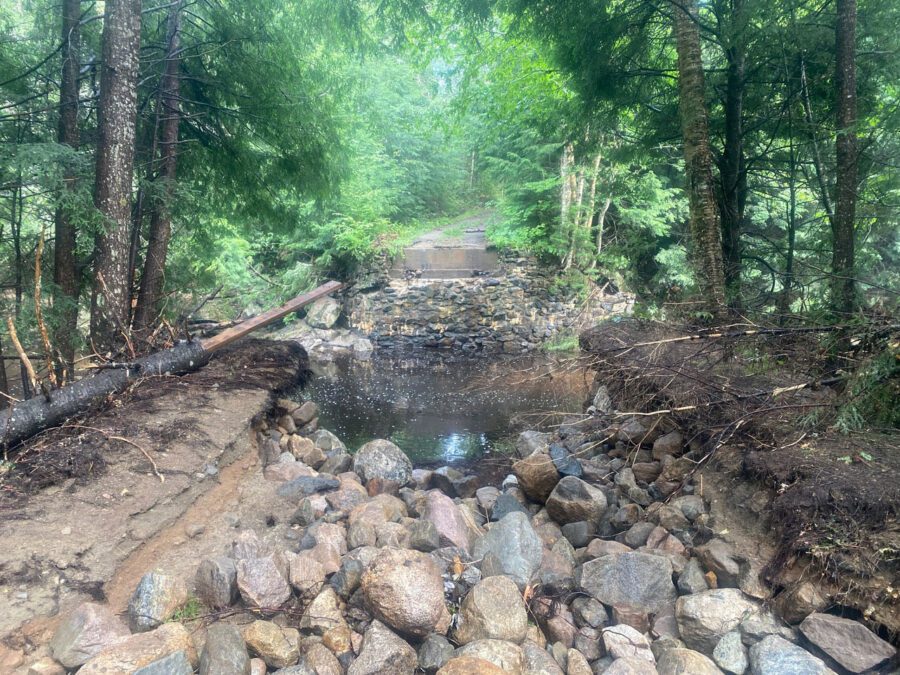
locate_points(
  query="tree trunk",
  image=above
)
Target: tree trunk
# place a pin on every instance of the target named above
(824, 196)
(705, 228)
(65, 276)
(4, 384)
(115, 164)
(784, 301)
(843, 285)
(160, 216)
(567, 190)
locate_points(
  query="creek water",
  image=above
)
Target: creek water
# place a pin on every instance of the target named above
(444, 408)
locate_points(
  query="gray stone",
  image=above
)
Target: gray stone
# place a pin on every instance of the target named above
(639, 580)
(799, 601)
(176, 663)
(382, 459)
(776, 656)
(530, 442)
(506, 504)
(328, 442)
(577, 663)
(761, 625)
(850, 643)
(631, 666)
(323, 313)
(304, 413)
(361, 533)
(589, 612)
(718, 556)
(225, 652)
(685, 662)
(216, 582)
(304, 486)
(493, 609)
(692, 579)
(84, 632)
(423, 536)
(339, 462)
(486, 497)
(703, 618)
(624, 642)
(383, 653)
(638, 534)
(731, 654)
(579, 533)
(434, 652)
(538, 661)
(572, 500)
(565, 463)
(156, 598)
(261, 583)
(670, 444)
(692, 506)
(602, 402)
(510, 547)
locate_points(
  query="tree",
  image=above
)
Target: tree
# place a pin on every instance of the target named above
(843, 283)
(114, 169)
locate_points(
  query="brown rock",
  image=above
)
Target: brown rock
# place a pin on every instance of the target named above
(848, 642)
(261, 583)
(84, 633)
(447, 519)
(141, 649)
(537, 476)
(798, 602)
(493, 609)
(470, 665)
(278, 646)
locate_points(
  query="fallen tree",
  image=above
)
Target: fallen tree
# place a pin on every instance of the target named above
(27, 418)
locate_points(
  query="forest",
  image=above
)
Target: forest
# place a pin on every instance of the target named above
(724, 160)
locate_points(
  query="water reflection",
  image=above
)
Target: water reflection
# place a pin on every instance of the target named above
(441, 408)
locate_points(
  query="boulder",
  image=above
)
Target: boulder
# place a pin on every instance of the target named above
(703, 618)
(383, 653)
(565, 463)
(776, 656)
(321, 661)
(685, 662)
(799, 601)
(323, 313)
(434, 652)
(624, 642)
(530, 442)
(537, 476)
(176, 663)
(470, 665)
(447, 518)
(538, 660)
(848, 642)
(731, 654)
(577, 663)
(493, 609)
(261, 583)
(156, 598)
(639, 580)
(224, 652)
(506, 504)
(505, 655)
(718, 556)
(278, 646)
(404, 589)
(510, 547)
(216, 582)
(84, 633)
(572, 500)
(691, 579)
(761, 625)
(382, 459)
(142, 649)
(423, 536)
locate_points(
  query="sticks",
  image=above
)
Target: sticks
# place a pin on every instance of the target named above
(39, 313)
(23, 357)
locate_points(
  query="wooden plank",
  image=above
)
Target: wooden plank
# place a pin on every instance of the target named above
(237, 332)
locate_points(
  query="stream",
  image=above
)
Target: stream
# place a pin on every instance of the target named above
(444, 408)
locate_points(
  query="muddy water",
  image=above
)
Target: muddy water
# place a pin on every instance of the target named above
(441, 408)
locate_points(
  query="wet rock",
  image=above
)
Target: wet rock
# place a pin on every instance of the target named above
(565, 463)
(850, 643)
(692, 579)
(572, 500)
(624, 642)
(304, 486)
(383, 653)
(506, 504)
(538, 661)
(631, 666)
(505, 655)
(216, 582)
(434, 652)
(141, 649)
(323, 313)
(173, 664)
(493, 609)
(730, 654)
(537, 476)
(640, 580)
(224, 652)
(798, 602)
(323, 613)
(470, 665)
(278, 646)
(530, 442)
(703, 618)
(719, 557)
(510, 547)
(156, 598)
(668, 445)
(404, 589)
(776, 656)
(261, 583)
(447, 518)
(423, 536)
(84, 633)
(684, 661)
(382, 459)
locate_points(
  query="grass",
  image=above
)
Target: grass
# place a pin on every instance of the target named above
(564, 341)
(190, 611)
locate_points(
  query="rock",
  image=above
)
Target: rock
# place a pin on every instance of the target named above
(641, 580)
(156, 598)
(638, 534)
(304, 486)
(321, 661)
(84, 633)
(798, 602)
(530, 442)
(506, 504)
(323, 313)
(691, 506)
(382, 459)
(731, 654)
(602, 402)
(258, 667)
(685, 662)
(579, 533)
(850, 643)
(624, 642)
(404, 589)
(692, 579)
(632, 666)
(668, 445)
(46, 666)
(383, 653)
(304, 450)
(434, 652)
(283, 472)
(176, 663)
(719, 557)
(538, 661)
(589, 612)
(537, 476)
(565, 463)
(447, 518)
(572, 500)
(505, 655)
(261, 584)
(470, 665)
(776, 656)
(140, 650)
(304, 413)
(577, 663)
(703, 618)
(306, 575)
(633, 431)
(556, 621)
(361, 533)
(329, 443)
(392, 535)
(337, 463)
(216, 582)
(423, 536)
(278, 646)
(323, 613)
(224, 652)
(493, 609)
(761, 625)
(510, 547)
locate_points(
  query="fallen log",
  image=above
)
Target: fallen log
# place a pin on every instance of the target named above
(30, 417)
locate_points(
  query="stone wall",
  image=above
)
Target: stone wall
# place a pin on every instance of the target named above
(514, 311)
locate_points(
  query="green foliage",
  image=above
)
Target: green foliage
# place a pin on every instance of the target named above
(191, 610)
(873, 394)
(561, 342)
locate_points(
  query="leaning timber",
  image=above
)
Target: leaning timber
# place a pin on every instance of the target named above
(30, 417)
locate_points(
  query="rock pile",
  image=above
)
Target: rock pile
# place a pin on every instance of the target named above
(594, 557)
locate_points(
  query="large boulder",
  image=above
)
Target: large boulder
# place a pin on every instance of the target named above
(323, 313)
(572, 500)
(142, 649)
(404, 589)
(156, 598)
(84, 633)
(703, 618)
(537, 476)
(777, 656)
(848, 642)
(447, 518)
(639, 580)
(224, 652)
(493, 609)
(510, 547)
(382, 459)
(383, 653)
